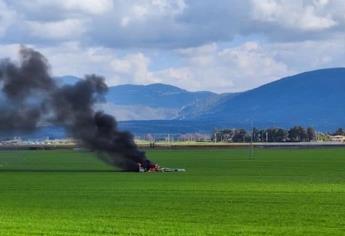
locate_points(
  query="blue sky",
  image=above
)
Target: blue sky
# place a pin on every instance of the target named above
(222, 46)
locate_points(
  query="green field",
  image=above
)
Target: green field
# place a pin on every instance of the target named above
(223, 192)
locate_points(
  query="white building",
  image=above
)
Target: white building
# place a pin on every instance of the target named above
(337, 138)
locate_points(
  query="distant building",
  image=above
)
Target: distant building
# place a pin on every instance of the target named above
(337, 138)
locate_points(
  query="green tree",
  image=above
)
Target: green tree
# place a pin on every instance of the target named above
(297, 134)
(239, 136)
(311, 134)
(277, 135)
(256, 135)
(339, 131)
(224, 135)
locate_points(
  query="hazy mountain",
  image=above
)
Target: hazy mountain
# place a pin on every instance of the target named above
(313, 98)
(151, 102)
(199, 107)
(155, 95)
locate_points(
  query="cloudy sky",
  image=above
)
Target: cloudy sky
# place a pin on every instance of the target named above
(217, 45)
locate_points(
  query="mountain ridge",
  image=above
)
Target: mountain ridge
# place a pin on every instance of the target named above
(310, 98)
(313, 98)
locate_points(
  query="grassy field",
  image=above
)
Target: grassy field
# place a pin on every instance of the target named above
(223, 192)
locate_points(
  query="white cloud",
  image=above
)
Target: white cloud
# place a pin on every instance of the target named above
(73, 59)
(133, 68)
(65, 29)
(9, 51)
(176, 23)
(224, 70)
(95, 7)
(185, 43)
(208, 67)
(92, 7)
(141, 11)
(220, 70)
(294, 14)
(7, 17)
(158, 7)
(310, 55)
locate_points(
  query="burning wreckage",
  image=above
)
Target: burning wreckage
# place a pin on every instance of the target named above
(32, 97)
(148, 166)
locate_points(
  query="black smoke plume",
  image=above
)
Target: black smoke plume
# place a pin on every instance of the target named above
(30, 97)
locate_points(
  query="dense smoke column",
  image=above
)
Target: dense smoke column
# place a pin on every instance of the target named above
(30, 97)
(96, 130)
(24, 87)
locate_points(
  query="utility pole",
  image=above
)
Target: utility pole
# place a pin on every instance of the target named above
(251, 141)
(266, 137)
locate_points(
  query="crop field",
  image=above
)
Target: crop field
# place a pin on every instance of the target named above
(223, 192)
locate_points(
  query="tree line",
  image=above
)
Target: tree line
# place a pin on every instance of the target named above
(294, 134)
(339, 131)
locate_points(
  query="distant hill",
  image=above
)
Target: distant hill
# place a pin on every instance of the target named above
(155, 95)
(199, 107)
(151, 102)
(315, 98)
